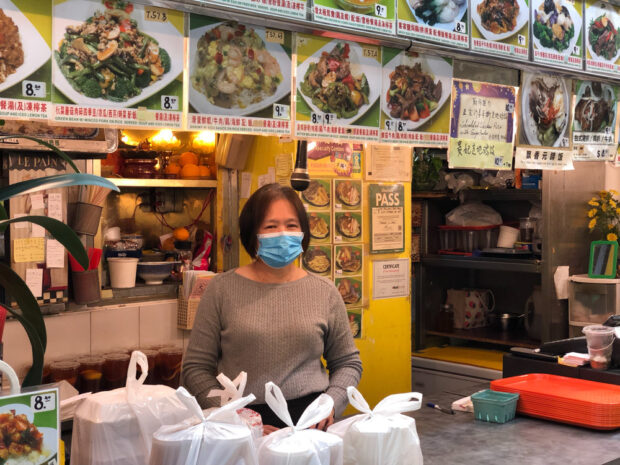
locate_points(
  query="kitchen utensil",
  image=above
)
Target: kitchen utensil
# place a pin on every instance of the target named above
(86, 218)
(600, 340)
(123, 272)
(155, 272)
(507, 321)
(86, 289)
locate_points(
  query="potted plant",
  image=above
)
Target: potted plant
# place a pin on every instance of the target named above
(28, 312)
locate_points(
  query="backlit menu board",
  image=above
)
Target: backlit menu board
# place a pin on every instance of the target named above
(442, 22)
(500, 27)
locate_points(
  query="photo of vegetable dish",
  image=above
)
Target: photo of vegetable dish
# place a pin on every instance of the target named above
(349, 259)
(316, 260)
(11, 51)
(348, 193)
(438, 11)
(546, 120)
(108, 57)
(20, 440)
(332, 86)
(233, 67)
(349, 291)
(498, 16)
(316, 194)
(319, 227)
(604, 38)
(553, 25)
(596, 108)
(413, 94)
(348, 225)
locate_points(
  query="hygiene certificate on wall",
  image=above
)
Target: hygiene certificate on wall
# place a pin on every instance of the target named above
(387, 218)
(390, 278)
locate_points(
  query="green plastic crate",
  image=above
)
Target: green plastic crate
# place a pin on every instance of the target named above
(494, 406)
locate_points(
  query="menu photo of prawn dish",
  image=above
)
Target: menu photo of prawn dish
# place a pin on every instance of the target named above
(348, 226)
(338, 79)
(23, 49)
(235, 70)
(320, 226)
(349, 259)
(318, 194)
(603, 32)
(318, 259)
(347, 194)
(415, 90)
(545, 116)
(107, 53)
(596, 108)
(350, 290)
(556, 26)
(497, 20)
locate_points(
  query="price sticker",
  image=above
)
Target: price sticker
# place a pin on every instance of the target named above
(522, 40)
(275, 36)
(329, 118)
(498, 161)
(170, 102)
(380, 11)
(510, 107)
(316, 118)
(43, 402)
(158, 15)
(460, 27)
(33, 89)
(577, 50)
(608, 130)
(395, 125)
(281, 111)
(371, 52)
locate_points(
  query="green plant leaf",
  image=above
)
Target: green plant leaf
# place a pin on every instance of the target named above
(55, 149)
(3, 213)
(61, 232)
(54, 182)
(28, 306)
(35, 374)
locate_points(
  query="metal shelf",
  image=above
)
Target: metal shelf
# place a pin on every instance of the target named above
(491, 195)
(491, 336)
(483, 263)
(186, 183)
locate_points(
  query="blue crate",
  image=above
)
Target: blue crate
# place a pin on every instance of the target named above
(494, 406)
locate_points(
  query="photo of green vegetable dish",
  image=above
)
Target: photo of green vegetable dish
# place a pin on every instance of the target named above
(331, 85)
(553, 26)
(108, 57)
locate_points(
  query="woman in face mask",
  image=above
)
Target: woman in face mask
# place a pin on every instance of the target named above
(272, 319)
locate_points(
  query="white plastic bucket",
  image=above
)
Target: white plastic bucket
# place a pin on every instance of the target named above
(123, 272)
(507, 237)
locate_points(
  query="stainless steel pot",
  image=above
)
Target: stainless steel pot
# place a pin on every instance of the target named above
(507, 321)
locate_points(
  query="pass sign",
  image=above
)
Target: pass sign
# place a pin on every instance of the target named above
(387, 218)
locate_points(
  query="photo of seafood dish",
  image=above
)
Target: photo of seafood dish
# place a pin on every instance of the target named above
(438, 13)
(319, 226)
(604, 37)
(349, 290)
(596, 108)
(104, 54)
(349, 259)
(556, 25)
(235, 71)
(316, 260)
(348, 193)
(544, 114)
(348, 225)
(21, 442)
(22, 48)
(415, 88)
(499, 19)
(339, 79)
(316, 194)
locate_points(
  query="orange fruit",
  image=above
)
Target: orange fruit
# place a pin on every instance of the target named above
(187, 158)
(180, 234)
(190, 171)
(168, 244)
(173, 168)
(205, 171)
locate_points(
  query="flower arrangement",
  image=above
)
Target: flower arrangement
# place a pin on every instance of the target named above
(604, 214)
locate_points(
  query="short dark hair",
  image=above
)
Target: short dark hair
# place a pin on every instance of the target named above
(255, 209)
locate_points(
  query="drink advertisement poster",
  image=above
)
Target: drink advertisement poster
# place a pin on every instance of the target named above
(26, 59)
(481, 125)
(501, 27)
(240, 77)
(444, 22)
(411, 113)
(338, 86)
(117, 63)
(375, 15)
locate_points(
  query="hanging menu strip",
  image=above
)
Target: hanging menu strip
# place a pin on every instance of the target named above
(290, 8)
(380, 19)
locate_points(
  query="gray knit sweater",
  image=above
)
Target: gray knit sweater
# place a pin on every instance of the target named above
(274, 332)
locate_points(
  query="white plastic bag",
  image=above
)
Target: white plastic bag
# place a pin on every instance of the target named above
(116, 427)
(382, 436)
(296, 444)
(219, 439)
(473, 214)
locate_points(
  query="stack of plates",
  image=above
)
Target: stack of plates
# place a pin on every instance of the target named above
(566, 400)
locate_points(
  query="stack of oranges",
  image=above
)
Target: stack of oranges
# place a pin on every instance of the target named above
(187, 167)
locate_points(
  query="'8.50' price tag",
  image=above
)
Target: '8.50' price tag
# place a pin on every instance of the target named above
(43, 402)
(34, 89)
(170, 102)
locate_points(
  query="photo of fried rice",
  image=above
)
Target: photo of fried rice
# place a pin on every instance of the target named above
(11, 51)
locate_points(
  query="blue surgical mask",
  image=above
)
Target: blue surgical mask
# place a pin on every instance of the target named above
(279, 249)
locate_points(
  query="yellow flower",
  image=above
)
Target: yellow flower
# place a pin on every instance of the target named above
(612, 237)
(618, 211)
(604, 207)
(594, 203)
(592, 223)
(612, 203)
(613, 192)
(592, 212)
(610, 226)
(603, 194)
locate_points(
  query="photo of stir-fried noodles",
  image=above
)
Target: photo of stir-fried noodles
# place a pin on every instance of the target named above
(19, 440)
(11, 52)
(233, 67)
(413, 93)
(498, 16)
(108, 57)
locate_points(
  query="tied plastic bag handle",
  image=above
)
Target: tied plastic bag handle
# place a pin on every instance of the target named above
(233, 390)
(391, 405)
(221, 414)
(7, 370)
(137, 358)
(316, 412)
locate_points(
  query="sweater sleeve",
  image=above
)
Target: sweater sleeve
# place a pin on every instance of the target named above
(341, 354)
(201, 358)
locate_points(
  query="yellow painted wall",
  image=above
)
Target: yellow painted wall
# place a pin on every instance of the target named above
(385, 346)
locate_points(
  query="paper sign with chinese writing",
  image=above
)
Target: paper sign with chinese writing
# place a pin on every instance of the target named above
(338, 87)
(411, 113)
(601, 33)
(387, 218)
(290, 8)
(443, 22)
(388, 163)
(501, 27)
(25, 74)
(240, 77)
(342, 159)
(594, 120)
(557, 32)
(117, 63)
(544, 111)
(376, 15)
(29, 249)
(531, 158)
(481, 125)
